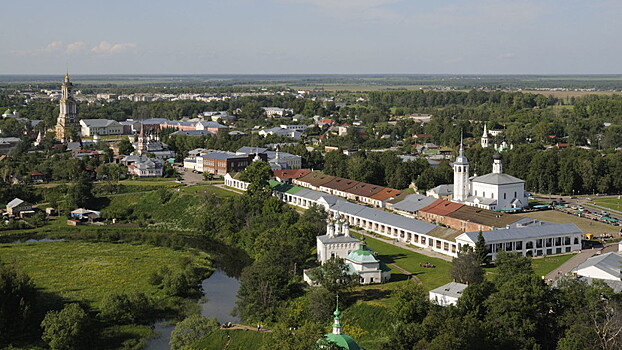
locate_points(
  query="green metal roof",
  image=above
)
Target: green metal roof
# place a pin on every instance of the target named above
(343, 341)
(362, 255)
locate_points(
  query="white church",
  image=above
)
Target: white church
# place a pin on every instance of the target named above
(494, 191)
(337, 242)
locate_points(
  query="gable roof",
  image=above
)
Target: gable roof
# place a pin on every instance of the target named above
(98, 123)
(497, 179)
(340, 184)
(316, 178)
(413, 203)
(365, 189)
(15, 203)
(385, 194)
(608, 263)
(521, 233)
(291, 174)
(451, 289)
(483, 216)
(441, 207)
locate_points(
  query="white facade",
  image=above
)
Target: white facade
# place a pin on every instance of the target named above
(536, 240)
(484, 140)
(491, 191)
(235, 183)
(91, 127)
(448, 294)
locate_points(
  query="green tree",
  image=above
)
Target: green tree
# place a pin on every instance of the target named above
(125, 147)
(467, 267)
(190, 330)
(257, 174)
(481, 252)
(334, 275)
(81, 192)
(66, 329)
(17, 297)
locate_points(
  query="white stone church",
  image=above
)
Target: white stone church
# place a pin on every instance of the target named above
(337, 242)
(494, 191)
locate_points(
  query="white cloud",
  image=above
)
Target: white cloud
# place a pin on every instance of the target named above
(54, 46)
(76, 47)
(107, 48)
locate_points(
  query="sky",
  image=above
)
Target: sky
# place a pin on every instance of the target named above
(311, 37)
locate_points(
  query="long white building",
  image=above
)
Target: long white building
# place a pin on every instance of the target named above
(531, 239)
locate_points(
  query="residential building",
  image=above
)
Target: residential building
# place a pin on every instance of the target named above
(8, 143)
(276, 112)
(295, 134)
(447, 294)
(221, 163)
(211, 126)
(17, 206)
(91, 127)
(146, 167)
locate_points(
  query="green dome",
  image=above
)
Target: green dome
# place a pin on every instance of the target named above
(343, 341)
(362, 255)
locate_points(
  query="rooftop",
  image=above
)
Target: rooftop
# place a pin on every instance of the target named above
(316, 178)
(441, 207)
(483, 216)
(497, 179)
(413, 202)
(521, 233)
(451, 289)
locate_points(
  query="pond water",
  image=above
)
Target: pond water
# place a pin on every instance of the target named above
(220, 292)
(37, 240)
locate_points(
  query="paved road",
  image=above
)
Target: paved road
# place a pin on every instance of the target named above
(579, 259)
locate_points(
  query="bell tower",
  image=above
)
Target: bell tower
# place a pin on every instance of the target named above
(66, 123)
(461, 176)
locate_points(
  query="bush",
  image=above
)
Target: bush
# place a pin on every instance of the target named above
(66, 329)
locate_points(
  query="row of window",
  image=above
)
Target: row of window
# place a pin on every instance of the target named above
(492, 195)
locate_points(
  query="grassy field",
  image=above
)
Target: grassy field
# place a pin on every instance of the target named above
(611, 203)
(541, 266)
(585, 225)
(237, 339)
(80, 271)
(409, 260)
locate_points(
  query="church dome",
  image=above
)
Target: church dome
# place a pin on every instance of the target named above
(362, 255)
(343, 341)
(496, 156)
(461, 160)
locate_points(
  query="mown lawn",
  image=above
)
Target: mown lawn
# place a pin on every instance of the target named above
(237, 339)
(410, 261)
(81, 271)
(541, 266)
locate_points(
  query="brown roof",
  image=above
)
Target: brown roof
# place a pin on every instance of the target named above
(291, 174)
(483, 216)
(385, 194)
(316, 178)
(365, 189)
(340, 184)
(441, 207)
(444, 233)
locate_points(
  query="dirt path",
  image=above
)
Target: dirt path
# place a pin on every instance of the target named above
(241, 327)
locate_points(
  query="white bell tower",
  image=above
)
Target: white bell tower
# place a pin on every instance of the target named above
(484, 140)
(461, 176)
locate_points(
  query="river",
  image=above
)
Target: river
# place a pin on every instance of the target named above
(220, 292)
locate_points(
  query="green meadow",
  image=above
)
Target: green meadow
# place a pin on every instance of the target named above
(86, 272)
